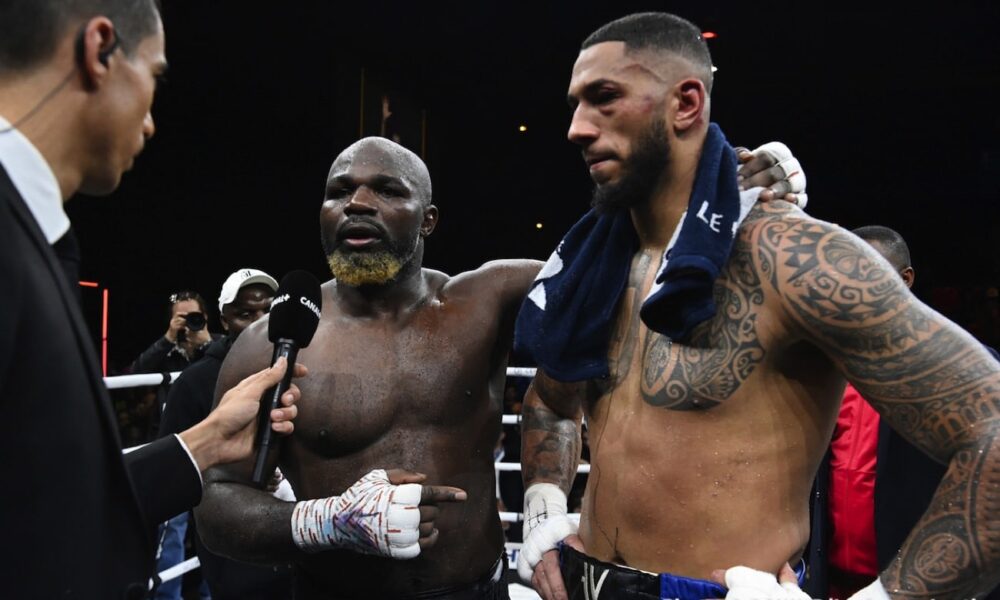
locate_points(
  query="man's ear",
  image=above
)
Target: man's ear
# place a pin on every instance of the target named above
(908, 275)
(95, 45)
(225, 323)
(430, 220)
(689, 100)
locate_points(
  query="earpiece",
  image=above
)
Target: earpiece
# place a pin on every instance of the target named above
(103, 56)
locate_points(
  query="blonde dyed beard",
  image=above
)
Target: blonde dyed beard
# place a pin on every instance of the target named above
(364, 268)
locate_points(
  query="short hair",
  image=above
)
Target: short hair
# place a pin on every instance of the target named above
(30, 30)
(660, 31)
(896, 250)
(183, 295)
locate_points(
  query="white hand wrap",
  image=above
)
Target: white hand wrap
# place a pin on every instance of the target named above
(872, 591)
(745, 583)
(790, 168)
(545, 525)
(371, 517)
(776, 150)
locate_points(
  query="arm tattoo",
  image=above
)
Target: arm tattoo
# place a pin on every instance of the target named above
(930, 380)
(721, 353)
(551, 442)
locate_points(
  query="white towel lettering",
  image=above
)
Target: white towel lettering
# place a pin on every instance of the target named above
(714, 222)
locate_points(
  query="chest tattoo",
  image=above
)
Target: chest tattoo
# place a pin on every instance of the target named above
(721, 353)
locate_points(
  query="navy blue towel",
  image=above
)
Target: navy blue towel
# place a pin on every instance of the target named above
(565, 322)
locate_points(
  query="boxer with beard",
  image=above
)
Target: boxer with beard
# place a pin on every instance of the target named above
(408, 368)
(712, 426)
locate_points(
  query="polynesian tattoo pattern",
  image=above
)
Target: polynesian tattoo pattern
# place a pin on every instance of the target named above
(720, 354)
(932, 382)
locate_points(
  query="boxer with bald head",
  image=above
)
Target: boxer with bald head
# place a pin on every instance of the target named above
(408, 367)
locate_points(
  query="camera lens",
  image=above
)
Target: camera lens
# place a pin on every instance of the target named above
(195, 321)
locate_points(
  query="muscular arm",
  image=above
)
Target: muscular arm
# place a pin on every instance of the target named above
(550, 443)
(510, 278)
(236, 519)
(928, 378)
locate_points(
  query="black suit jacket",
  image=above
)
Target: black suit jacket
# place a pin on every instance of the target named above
(76, 518)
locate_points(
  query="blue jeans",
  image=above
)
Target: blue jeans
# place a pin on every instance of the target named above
(171, 553)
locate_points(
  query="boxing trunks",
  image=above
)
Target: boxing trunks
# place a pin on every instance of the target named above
(587, 578)
(491, 586)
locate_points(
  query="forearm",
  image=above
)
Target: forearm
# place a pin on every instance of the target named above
(954, 550)
(245, 523)
(550, 446)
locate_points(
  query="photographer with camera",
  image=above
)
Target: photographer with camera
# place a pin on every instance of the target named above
(185, 342)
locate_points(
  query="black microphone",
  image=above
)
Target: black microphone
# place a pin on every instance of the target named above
(295, 313)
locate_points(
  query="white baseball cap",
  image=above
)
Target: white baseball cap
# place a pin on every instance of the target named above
(239, 280)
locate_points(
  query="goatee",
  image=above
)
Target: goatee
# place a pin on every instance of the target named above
(356, 268)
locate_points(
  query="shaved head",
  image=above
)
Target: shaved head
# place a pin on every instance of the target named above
(659, 36)
(388, 155)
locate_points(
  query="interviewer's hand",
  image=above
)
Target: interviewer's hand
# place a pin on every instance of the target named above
(227, 434)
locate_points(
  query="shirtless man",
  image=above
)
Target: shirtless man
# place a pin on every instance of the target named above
(407, 371)
(703, 449)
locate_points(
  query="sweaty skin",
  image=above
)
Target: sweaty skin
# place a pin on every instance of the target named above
(715, 440)
(409, 377)
(715, 452)
(703, 450)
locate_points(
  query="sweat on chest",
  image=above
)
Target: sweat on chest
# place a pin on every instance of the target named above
(342, 412)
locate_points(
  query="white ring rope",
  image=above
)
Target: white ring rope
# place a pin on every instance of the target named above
(128, 381)
(511, 466)
(143, 379)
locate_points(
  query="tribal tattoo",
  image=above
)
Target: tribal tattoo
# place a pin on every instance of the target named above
(721, 352)
(930, 380)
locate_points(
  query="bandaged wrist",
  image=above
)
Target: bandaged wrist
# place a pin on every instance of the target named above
(873, 591)
(313, 524)
(371, 517)
(545, 525)
(542, 501)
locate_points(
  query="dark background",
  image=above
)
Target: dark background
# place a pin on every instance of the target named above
(892, 110)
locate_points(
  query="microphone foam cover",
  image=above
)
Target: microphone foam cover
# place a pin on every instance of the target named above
(296, 308)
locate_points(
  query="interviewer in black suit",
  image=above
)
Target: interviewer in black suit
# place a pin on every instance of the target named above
(77, 79)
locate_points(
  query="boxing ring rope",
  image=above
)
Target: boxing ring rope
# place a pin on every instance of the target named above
(156, 379)
(128, 381)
